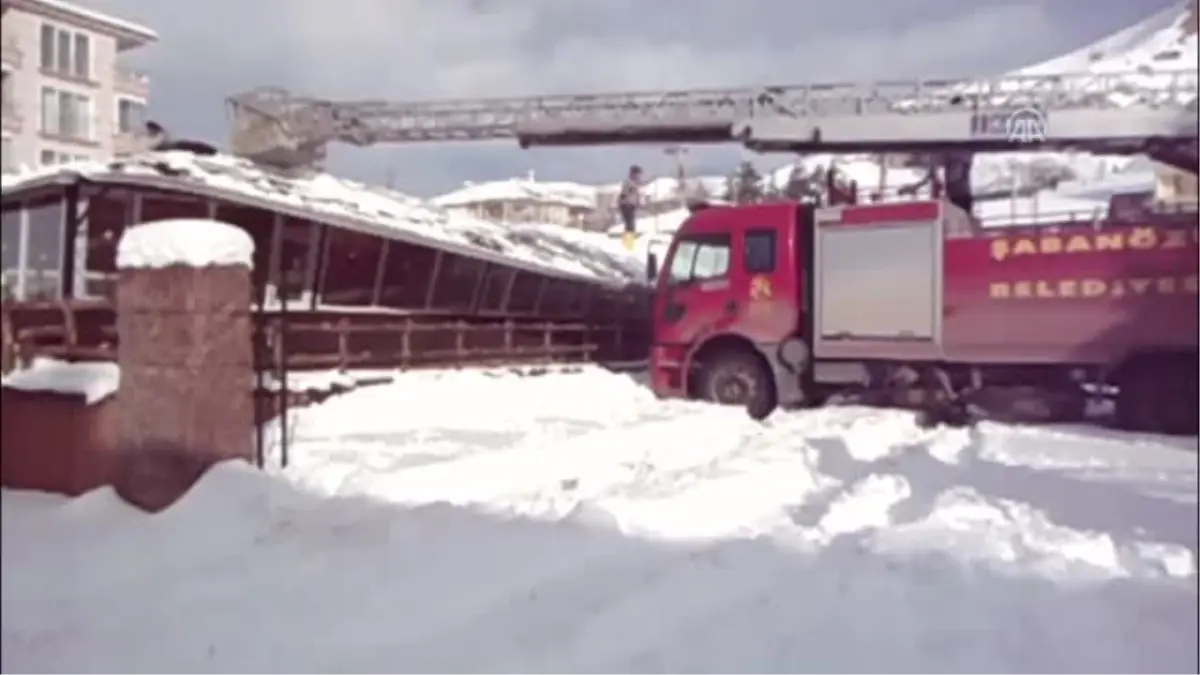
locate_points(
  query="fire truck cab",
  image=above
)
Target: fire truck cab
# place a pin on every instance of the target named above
(912, 303)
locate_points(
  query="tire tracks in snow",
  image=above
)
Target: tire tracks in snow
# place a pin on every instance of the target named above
(941, 494)
(547, 472)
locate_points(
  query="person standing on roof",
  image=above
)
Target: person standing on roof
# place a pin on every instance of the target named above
(628, 200)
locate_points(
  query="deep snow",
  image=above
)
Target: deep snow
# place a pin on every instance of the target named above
(491, 521)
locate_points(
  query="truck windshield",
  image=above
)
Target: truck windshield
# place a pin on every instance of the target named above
(700, 258)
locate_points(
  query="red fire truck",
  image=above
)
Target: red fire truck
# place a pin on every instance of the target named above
(914, 304)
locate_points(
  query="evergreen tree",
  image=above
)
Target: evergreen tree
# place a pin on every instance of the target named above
(747, 184)
(803, 185)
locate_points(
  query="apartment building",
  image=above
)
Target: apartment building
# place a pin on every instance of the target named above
(65, 94)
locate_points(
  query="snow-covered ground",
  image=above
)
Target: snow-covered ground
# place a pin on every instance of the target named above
(487, 521)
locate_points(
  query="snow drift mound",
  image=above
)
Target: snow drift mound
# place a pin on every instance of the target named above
(841, 539)
(944, 493)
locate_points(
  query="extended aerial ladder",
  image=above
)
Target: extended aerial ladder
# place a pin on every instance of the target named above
(1133, 113)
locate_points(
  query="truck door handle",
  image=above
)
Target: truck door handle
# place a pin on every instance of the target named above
(673, 312)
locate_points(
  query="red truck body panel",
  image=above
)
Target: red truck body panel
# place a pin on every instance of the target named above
(1071, 294)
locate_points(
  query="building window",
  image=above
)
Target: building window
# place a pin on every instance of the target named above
(47, 46)
(32, 251)
(66, 52)
(351, 267)
(54, 157)
(131, 116)
(66, 114)
(81, 65)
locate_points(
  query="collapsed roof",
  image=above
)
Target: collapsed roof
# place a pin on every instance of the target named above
(351, 205)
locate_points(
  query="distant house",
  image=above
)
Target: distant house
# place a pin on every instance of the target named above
(524, 201)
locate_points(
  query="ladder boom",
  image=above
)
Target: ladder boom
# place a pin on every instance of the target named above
(277, 127)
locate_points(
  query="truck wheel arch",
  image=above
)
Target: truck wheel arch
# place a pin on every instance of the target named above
(720, 343)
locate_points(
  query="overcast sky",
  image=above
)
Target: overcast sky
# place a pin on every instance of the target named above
(423, 49)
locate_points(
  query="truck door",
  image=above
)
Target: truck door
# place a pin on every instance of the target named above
(768, 283)
(695, 295)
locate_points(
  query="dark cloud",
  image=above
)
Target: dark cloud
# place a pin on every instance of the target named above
(405, 49)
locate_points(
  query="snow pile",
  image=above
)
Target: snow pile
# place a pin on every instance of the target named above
(336, 201)
(521, 190)
(573, 523)
(94, 381)
(583, 246)
(186, 242)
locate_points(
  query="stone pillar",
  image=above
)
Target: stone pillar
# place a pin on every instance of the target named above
(184, 327)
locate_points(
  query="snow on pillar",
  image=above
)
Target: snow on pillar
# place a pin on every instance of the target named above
(184, 348)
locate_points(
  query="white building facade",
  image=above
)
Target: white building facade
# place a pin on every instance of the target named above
(65, 94)
(524, 201)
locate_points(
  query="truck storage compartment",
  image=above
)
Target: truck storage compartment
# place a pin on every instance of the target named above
(878, 282)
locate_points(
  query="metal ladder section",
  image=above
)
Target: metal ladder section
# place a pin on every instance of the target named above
(273, 123)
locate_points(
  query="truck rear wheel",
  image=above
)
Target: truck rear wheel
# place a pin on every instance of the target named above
(739, 378)
(1159, 394)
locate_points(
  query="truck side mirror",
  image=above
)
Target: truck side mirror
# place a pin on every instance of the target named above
(651, 267)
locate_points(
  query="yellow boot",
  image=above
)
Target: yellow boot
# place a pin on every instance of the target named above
(629, 239)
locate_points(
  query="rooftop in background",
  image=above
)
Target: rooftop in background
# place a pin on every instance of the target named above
(129, 35)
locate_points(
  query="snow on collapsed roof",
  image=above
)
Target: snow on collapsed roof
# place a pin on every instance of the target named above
(184, 241)
(517, 190)
(348, 204)
(94, 381)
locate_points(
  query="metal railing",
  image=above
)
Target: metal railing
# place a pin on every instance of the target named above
(9, 115)
(10, 52)
(320, 340)
(129, 81)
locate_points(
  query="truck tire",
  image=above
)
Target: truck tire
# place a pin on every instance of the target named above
(739, 378)
(1159, 395)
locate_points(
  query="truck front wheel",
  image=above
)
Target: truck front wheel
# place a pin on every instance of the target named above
(739, 378)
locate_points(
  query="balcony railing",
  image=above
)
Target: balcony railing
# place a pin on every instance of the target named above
(125, 143)
(8, 112)
(10, 53)
(132, 82)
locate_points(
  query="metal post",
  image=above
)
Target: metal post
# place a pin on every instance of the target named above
(69, 228)
(433, 279)
(22, 253)
(377, 294)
